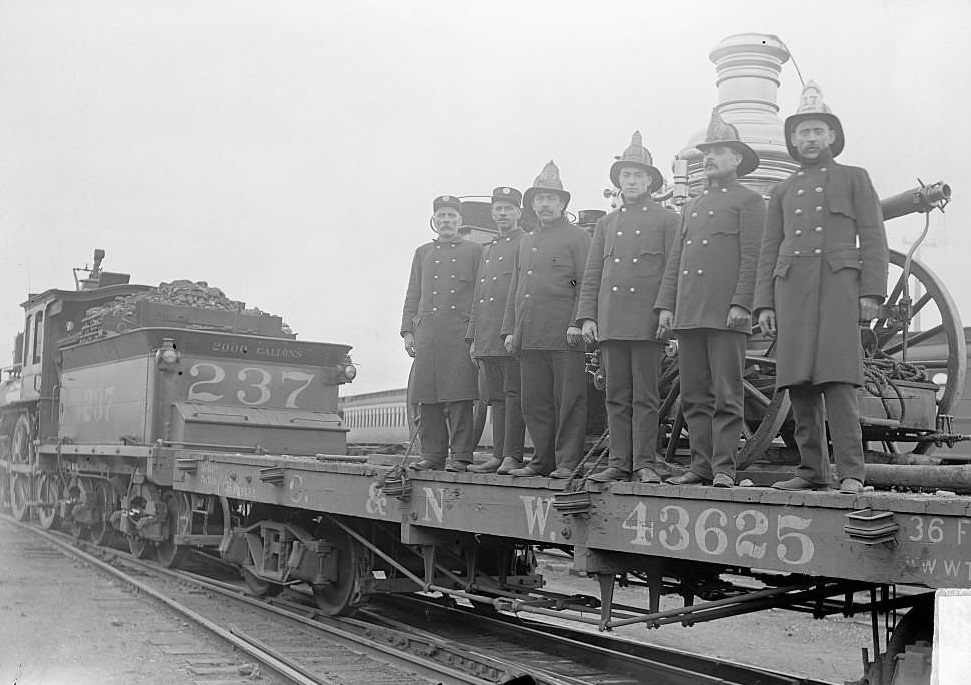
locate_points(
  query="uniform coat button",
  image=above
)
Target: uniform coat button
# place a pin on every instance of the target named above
(634, 260)
(492, 299)
(705, 241)
(819, 189)
(685, 272)
(623, 209)
(452, 276)
(800, 192)
(487, 261)
(798, 231)
(616, 260)
(798, 212)
(453, 306)
(819, 208)
(534, 249)
(694, 213)
(704, 192)
(482, 300)
(495, 278)
(643, 209)
(724, 190)
(529, 273)
(711, 212)
(500, 259)
(615, 288)
(818, 229)
(638, 231)
(632, 290)
(800, 173)
(823, 169)
(452, 291)
(620, 233)
(526, 296)
(434, 292)
(481, 280)
(687, 242)
(817, 251)
(701, 271)
(796, 252)
(453, 259)
(434, 309)
(437, 261)
(435, 276)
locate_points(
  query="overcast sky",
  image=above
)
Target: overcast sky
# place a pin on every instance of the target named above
(289, 152)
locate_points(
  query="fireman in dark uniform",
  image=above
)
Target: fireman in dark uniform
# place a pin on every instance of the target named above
(706, 300)
(540, 325)
(501, 369)
(433, 325)
(620, 285)
(822, 271)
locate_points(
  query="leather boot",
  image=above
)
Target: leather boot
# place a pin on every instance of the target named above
(609, 475)
(488, 466)
(508, 464)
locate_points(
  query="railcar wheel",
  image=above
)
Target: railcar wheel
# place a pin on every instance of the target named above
(21, 442)
(140, 548)
(343, 596)
(20, 496)
(259, 587)
(48, 491)
(178, 518)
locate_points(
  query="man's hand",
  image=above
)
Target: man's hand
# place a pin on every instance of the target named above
(767, 322)
(574, 336)
(869, 309)
(738, 317)
(665, 319)
(589, 331)
(409, 340)
(510, 342)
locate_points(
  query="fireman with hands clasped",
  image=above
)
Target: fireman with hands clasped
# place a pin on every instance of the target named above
(540, 326)
(620, 285)
(822, 272)
(706, 300)
(501, 368)
(433, 325)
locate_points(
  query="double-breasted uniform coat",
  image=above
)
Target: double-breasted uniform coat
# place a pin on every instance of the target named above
(824, 247)
(503, 381)
(542, 304)
(713, 268)
(620, 286)
(437, 309)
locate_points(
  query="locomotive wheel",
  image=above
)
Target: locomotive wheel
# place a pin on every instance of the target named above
(343, 596)
(4, 490)
(20, 496)
(936, 338)
(102, 532)
(48, 490)
(179, 518)
(21, 445)
(259, 587)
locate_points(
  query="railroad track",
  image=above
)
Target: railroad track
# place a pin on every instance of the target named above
(406, 639)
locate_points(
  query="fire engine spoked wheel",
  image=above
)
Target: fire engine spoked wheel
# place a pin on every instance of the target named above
(765, 409)
(935, 339)
(178, 518)
(20, 496)
(343, 596)
(49, 492)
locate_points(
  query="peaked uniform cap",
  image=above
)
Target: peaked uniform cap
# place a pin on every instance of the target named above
(722, 134)
(637, 156)
(811, 106)
(507, 194)
(447, 201)
(548, 180)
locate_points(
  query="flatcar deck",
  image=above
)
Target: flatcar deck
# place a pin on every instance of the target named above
(875, 537)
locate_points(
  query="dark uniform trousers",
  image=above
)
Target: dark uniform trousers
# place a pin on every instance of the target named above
(711, 364)
(632, 401)
(439, 420)
(842, 410)
(503, 386)
(557, 427)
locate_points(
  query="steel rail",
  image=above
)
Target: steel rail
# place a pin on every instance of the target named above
(336, 629)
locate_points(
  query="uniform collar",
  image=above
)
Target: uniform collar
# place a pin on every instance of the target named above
(642, 199)
(514, 233)
(734, 183)
(456, 239)
(825, 157)
(557, 223)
